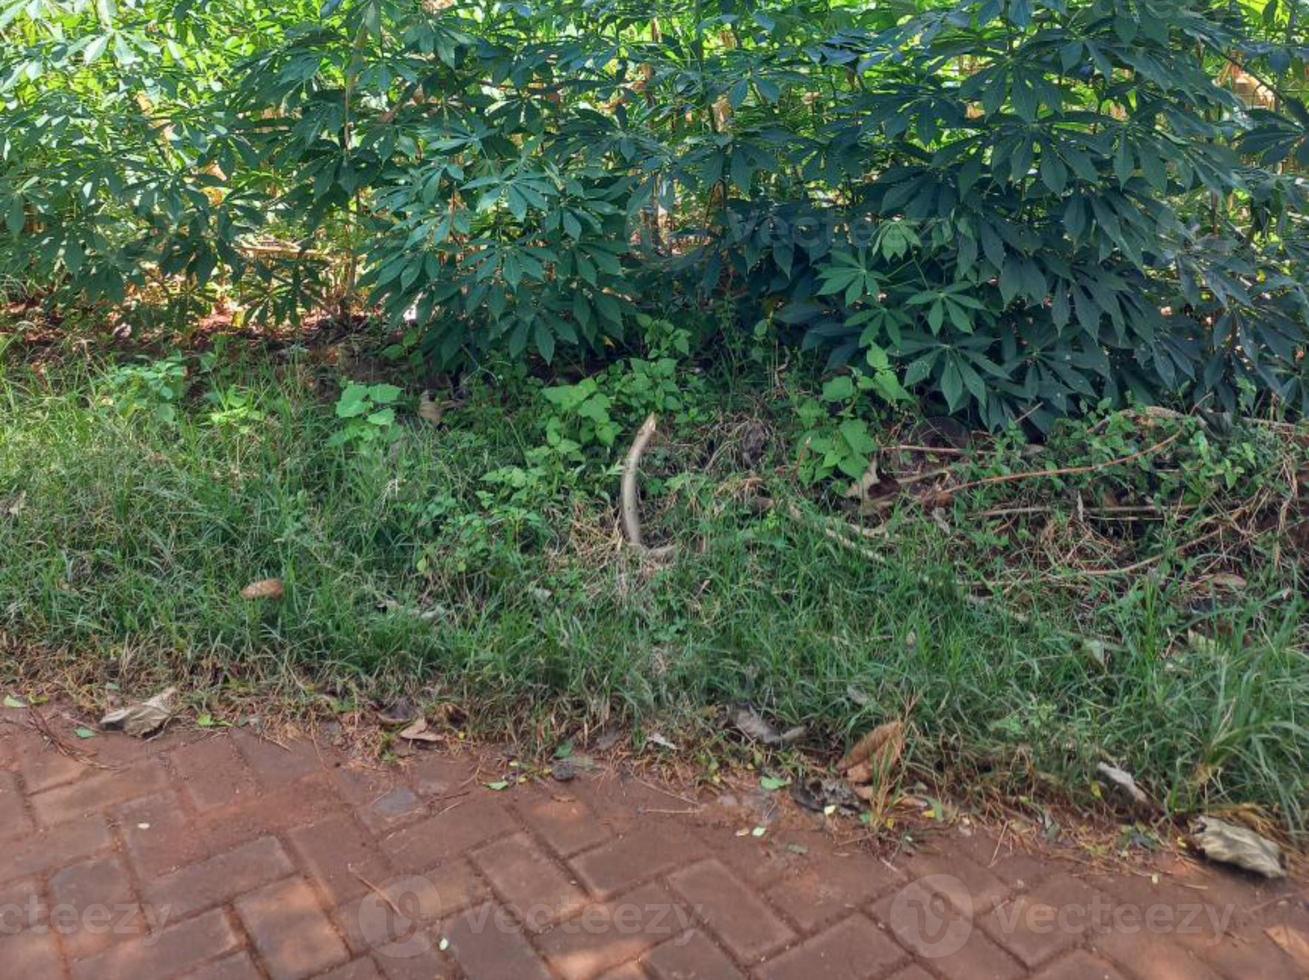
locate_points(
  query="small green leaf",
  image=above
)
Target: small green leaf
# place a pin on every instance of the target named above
(838, 389)
(13, 702)
(83, 733)
(498, 785)
(774, 783)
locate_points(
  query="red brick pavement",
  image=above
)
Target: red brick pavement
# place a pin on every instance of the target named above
(225, 857)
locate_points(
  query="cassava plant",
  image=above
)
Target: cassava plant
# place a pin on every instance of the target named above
(1013, 208)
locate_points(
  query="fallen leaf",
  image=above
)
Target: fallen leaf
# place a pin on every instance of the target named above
(751, 724)
(861, 698)
(13, 702)
(401, 711)
(825, 796)
(15, 506)
(1123, 781)
(429, 410)
(144, 717)
(1239, 846)
(759, 832)
(882, 747)
(1293, 941)
(268, 588)
(861, 772)
(1095, 651)
(773, 783)
(417, 732)
(498, 785)
(1223, 580)
(83, 733)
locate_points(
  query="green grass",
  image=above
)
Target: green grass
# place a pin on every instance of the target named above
(134, 537)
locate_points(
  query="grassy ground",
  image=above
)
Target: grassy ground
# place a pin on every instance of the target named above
(467, 562)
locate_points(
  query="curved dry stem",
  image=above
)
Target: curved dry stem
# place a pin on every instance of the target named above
(630, 503)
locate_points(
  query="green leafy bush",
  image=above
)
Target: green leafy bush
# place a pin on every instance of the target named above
(1012, 208)
(367, 414)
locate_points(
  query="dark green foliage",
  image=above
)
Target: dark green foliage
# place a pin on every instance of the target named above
(1020, 208)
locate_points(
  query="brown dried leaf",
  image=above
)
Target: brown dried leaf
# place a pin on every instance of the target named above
(144, 717)
(860, 773)
(268, 588)
(418, 732)
(882, 747)
(1239, 846)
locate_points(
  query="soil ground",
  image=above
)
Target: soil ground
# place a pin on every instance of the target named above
(204, 855)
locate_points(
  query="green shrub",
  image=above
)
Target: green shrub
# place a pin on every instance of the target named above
(1013, 208)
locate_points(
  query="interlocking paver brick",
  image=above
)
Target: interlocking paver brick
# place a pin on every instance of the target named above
(928, 922)
(985, 889)
(426, 844)
(437, 775)
(289, 928)
(689, 957)
(607, 935)
(423, 963)
(29, 854)
(360, 969)
(272, 811)
(911, 972)
(1049, 919)
(235, 966)
(100, 893)
(529, 882)
(276, 764)
(1148, 956)
(420, 900)
(220, 878)
(1080, 965)
(739, 918)
(486, 943)
(632, 858)
(76, 800)
(314, 869)
(566, 824)
(42, 767)
(158, 836)
(213, 773)
(853, 949)
(628, 971)
(14, 818)
(30, 954)
(829, 888)
(173, 952)
(341, 858)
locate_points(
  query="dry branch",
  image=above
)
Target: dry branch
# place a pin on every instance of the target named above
(630, 494)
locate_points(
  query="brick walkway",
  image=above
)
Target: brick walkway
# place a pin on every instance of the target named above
(230, 857)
